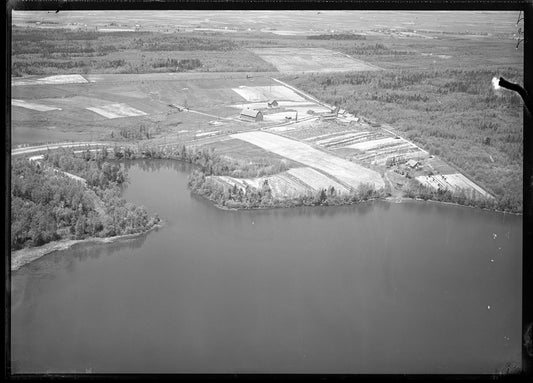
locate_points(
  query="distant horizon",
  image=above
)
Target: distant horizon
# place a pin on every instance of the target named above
(476, 21)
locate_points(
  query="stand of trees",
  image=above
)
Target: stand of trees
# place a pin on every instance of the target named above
(48, 206)
(453, 113)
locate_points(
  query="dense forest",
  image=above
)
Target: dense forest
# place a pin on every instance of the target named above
(452, 113)
(47, 205)
(52, 51)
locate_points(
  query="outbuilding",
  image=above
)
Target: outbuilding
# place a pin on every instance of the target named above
(273, 104)
(413, 164)
(251, 115)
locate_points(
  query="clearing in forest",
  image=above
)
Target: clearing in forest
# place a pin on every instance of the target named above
(311, 60)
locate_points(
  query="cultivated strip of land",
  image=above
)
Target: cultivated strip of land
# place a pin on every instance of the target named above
(348, 172)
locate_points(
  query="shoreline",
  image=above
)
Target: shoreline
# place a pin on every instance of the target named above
(27, 255)
(387, 199)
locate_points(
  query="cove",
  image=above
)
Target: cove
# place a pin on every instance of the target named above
(414, 287)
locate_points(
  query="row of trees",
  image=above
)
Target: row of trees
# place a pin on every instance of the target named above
(207, 159)
(338, 36)
(374, 50)
(177, 65)
(178, 42)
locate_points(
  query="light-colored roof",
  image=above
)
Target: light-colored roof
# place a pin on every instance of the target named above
(250, 112)
(412, 162)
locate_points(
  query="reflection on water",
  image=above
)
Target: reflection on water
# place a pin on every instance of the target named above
(375, 287)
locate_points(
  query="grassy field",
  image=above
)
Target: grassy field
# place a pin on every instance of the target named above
(347, 172)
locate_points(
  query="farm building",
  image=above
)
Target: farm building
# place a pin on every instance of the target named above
(329, 116)
(273, 104)
(412, 164)
(251, 115)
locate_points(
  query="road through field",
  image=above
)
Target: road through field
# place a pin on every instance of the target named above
(348, 172)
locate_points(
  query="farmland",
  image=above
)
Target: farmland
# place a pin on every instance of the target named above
(403, 95)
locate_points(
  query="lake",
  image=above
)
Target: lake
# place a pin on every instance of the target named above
(414, 287)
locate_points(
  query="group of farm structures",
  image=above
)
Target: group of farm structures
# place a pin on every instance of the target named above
(276, 137)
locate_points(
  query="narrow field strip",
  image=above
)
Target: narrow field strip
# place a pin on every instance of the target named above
(316, 180)
(207, 134)
(326, 135)
(267, 93)
(373, 144)
(117, 111)
(51, 80)
(338, 139)
(345, 171)
(281, 104)
(33, 106)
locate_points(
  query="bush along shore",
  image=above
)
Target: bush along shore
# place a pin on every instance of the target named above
(50, 204)
(211, 163)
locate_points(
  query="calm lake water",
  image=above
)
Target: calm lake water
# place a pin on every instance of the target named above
(377, 288)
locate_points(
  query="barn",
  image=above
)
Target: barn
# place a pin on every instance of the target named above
(251, 115)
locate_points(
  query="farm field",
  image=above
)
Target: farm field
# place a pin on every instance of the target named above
(289, 184)
(347, 172)
(455, 182)
(290, 60)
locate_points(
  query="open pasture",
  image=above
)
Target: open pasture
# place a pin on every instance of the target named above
(245, 151)
(282, 185)
(50, 80)
(267, 93)
(316, 180)
(298, 60)
(33, 106)
(345, 171)
(162, 104)
(117, 111)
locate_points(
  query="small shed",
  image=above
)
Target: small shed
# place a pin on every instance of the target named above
(273, 104)
(251, 115)
(413, 164)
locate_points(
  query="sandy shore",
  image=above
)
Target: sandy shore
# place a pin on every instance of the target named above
(22, 257)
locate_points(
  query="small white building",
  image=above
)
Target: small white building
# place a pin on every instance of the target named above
(413, 164)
